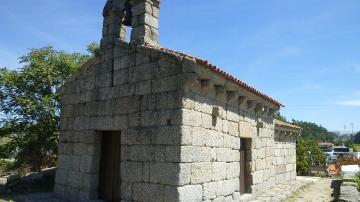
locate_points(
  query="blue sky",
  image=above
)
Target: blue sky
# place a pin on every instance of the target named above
(306, 54)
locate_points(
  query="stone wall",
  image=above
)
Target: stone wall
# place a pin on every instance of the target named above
(182, 121)
(213, 126)
(180, 136)
(141, 97)
(285, 157)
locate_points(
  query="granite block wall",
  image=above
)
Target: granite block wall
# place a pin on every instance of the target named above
(179, 134)
(214, 122)
(284, 158)
(181, 121)
(144, 104)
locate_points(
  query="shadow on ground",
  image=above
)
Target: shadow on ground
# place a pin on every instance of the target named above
(335, 186)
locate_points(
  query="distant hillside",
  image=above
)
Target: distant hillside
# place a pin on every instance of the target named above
(314, 131)
(311, 130)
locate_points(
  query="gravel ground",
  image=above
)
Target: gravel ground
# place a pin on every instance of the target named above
(35, 197)
(323, 190)
(300, 190)
(284, 190)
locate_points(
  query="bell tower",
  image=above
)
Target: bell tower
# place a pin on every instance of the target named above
(141, 15)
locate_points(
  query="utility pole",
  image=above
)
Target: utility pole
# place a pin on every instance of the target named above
(309, 164)
(352, 130)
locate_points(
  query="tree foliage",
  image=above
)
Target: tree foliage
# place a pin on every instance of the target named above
(30, 105)
(280, 117)
(310, 134)
(302, 162)
(310, 130)
(314, 132)
(303, 157)
(357, 138)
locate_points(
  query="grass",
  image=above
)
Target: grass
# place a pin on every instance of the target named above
(356, 147)
(4, 140)
(6, 167)
(293, 197)
(357, 180)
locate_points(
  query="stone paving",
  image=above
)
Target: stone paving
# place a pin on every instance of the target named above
(282, 191)
(349, 192)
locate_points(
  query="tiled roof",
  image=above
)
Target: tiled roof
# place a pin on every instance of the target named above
(286, 125)
(223, 73)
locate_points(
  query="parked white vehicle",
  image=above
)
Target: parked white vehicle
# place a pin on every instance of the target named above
(328, 151)
(341, 150)
(331, 158)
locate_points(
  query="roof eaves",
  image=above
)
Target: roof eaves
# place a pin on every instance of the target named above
(223, 73)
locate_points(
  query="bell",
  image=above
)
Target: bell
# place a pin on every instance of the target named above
(128, 15)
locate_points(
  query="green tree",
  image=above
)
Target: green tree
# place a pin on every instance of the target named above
(302, 162)
(314, 132)
(30, 105)
(316, 157)
(357, 138)
(338, 142)
(280, 117)
(93, 48)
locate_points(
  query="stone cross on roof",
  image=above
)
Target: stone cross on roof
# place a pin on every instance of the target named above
(141, 15)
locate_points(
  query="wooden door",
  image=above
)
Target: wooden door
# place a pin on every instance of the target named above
(243, 177)
(110, 179)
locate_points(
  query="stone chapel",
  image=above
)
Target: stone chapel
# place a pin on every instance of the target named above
(144, 123)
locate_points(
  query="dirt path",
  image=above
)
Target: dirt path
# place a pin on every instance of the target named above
(320, 191)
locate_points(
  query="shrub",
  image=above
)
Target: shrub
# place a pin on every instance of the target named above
(6, 166)
(302, 156)
(357, 180)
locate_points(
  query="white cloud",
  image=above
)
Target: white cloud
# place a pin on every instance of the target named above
(349, 103)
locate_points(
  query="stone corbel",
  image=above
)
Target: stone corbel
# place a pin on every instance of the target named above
(258, 108)
(190, 79)
(250, 104)
(230, 95)
(277, 133)
(242, 100)
(219, 90)
(205, 85)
